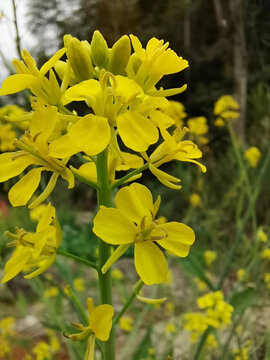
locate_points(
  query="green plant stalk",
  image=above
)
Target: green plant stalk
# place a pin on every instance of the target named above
(135, 292)
(105, 282)
(77, 258)
(129, 175)
(202, 343)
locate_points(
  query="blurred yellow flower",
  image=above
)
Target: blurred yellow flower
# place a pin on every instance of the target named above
(242, 353)
(201, 285)
(51, 292)
(266, 278)
(117, 274)
(126, 323)
(169, 307)
(36, 212)
(209, 257)
(253, 156)
(7, 137)
(133, 223)
(195, 200)
(226, 107)
(42, 351)
(262, 235)
(240, 274)
(198, 125)
(170, 328)
(79, 284)
(176, 111)
(265, 254)
(219, 122)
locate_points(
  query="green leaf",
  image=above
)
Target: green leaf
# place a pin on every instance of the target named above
(242, 300)
(143, 347)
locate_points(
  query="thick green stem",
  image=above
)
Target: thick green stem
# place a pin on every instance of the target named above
(202, 343)
(105, 283)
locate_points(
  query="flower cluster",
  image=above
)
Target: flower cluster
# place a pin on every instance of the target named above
(216, 313)
(226, 108)
(6, 333)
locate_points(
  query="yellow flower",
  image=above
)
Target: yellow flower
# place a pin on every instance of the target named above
(198, 125)
(201, 285)
(6, 326)
(169, 306)
(99, 326)
(226, 107)
(42, 351)
(35, 252)
(170, 328)
(133, 222)
(265, 254)
(253, 156)
(7, 137)
(173, 148)
(28, 76)
(117, 274)
(209, 256)
(148, 66)
(176, 111)
(266, 279)
(242, 353)
(37, 212)
(34, 151)
(262, 235)
(240, 274)
(195, 200)
(126, 323)
(219, 122)
(51, 292)
(79, 284)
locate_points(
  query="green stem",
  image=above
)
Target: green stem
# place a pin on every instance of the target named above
(18, 40)
(202, 343)
(135, 292)
(77, 258)
(77, 303)
(84, 180)
(105, 282)
(242, 224)
(196, 265)
(129, 175)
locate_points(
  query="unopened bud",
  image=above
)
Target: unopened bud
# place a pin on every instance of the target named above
(99, 50)
(119, 56)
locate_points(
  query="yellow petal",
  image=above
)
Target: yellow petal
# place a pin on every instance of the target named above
(136, 131)
(89, 90)
(101, 321)
(169, 63)
(42, 266)
(90, 306)
(135, 201)
(179, 238)
(167, 92)
(150, 300)
(23, 190)
(91, 134)
(164, 178)
(16, 263)
(150, 263)
(16, 83)
(87, 170)
(63, 147)
(46, 218)
(52, 61)
(43, 122)
(11, 165)
(113, 227)
(137, 46)
(127, 89)
(46, 192)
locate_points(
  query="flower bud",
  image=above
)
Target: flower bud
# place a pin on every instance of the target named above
(79, 58)
(99, 50)
(119, 56)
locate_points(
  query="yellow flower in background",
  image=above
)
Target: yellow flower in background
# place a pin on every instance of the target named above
(117, 274)
(99, 326)
(51, 292)
(7, 137)
(195, 200)
(169, 306)
(132, 222)
(34, 151)
(219, 122)
(148, 66)
(15, 116)
(198, 125)
(6, 326)
(34, 252)
(265, 254)
(262, 235)
(226, 107)
(42, 351)
(253, 156)
(170, 328)
(37, 212)
(126, 323)
(240, 274)
(79, 284)
(201, 285)
(266, 278)
(209, 257)
(242, 353)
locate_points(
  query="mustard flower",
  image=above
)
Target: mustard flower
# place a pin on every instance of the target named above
(253, 156)
(240, 274)
(265, 254)
(126, 323)
(99, 326)
(35, 252)
(209, 256)
(7, 136)
(170, 328)
(133, 222)
(28, 76)
(42, 351)
(266, 278)
(176, 111)
(34, 151)
(148, 66)
(51, 292)
(198, 125)
(226, 107)
(195, 200)
(117, 274)
(262, 235)
(201, 285)
(79, 284)
(37, 212)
